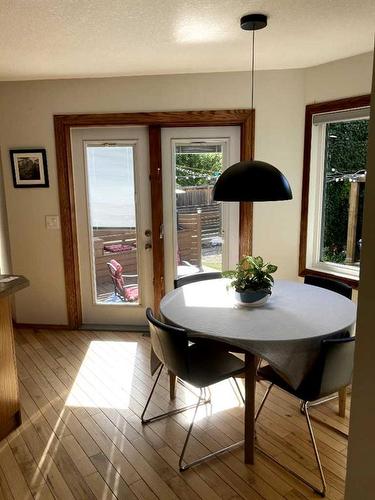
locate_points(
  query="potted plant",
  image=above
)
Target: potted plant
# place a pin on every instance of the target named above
(252, 280)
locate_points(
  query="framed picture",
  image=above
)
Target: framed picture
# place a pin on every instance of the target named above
(29, 168)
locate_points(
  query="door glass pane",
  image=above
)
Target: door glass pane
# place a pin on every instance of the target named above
(343, 195)
(112, 223)
(199, 217)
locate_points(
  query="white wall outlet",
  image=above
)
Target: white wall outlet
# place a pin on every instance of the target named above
(52, 222)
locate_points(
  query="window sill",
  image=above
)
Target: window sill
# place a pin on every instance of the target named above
(351, 281)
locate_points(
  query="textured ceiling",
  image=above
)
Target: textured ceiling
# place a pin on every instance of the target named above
(79, 38)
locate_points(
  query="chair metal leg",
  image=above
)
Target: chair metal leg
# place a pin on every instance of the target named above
(319, 402)
(266, 394)
(312, 436)
(183, 465)
(239, 390)
(150, 395)
(321, 492)
(312, 417)
(341, 395)
(203, 398)
(189, 388)
(168, 413)
(180, 462)
(209, 393)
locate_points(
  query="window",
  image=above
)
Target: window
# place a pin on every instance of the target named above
(334, 188)
(111, 197)
(198, 216)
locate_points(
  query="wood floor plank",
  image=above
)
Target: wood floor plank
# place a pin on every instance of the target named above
(13, 474)
(5, 491)
(77, 454)
(54, 462)
(142, 491)
(99, 487)
(82, 393)
(129, 473)
(27, 464)
(111, 476)
(152, 478)
(69, 419)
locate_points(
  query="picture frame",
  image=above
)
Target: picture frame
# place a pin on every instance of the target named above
(29, 168)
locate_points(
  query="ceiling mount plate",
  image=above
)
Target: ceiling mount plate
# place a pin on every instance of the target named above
(253, 22)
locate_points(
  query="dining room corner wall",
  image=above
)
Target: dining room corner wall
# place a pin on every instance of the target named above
(26, 120)
(360, 482)
(5, 261)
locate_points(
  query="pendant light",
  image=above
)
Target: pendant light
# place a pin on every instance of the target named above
(252, 180)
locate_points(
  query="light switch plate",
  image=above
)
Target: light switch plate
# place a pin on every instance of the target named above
(52, 222)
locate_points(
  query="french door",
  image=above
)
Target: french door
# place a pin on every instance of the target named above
(113, 219)
(200, 235)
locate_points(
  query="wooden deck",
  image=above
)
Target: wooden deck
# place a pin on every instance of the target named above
(82, 394)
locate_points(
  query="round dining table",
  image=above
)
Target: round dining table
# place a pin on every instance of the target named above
(287, 331)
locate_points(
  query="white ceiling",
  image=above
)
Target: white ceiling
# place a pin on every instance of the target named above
(87, 38)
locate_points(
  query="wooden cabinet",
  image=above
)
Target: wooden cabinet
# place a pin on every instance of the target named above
(10, 414)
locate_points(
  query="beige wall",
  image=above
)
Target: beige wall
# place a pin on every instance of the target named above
(361, 455)
(5, 262)
(26, 120)
(344, 78)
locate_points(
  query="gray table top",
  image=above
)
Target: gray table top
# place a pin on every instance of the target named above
(286, 331)
(294, 312)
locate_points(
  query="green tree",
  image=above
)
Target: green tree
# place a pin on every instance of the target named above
(197, 169)
(346, 153)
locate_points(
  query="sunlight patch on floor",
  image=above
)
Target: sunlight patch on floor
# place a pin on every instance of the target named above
(224, 396)
(106, 364)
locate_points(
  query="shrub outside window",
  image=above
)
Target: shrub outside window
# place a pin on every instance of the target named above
(336, 191)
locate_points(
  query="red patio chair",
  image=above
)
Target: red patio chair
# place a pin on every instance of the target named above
(127, 293)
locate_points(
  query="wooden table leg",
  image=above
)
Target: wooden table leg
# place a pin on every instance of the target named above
(342, 402)
(172, 385)
(250, 380)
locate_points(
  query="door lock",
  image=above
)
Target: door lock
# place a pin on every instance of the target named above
(148, 232)
(148, 246)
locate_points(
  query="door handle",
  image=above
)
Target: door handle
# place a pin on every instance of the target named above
(148, 246)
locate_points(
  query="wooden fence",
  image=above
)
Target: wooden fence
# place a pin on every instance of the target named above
(194, 196)
(210, 220)
(198, 224)
(127, 258)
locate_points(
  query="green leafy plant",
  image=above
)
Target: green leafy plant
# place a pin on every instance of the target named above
(252, 273)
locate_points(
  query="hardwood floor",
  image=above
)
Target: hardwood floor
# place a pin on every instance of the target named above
(81, 437)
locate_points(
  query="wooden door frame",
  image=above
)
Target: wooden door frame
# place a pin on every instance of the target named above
(63, 125)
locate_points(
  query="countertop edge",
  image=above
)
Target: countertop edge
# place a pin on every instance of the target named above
(11, 287)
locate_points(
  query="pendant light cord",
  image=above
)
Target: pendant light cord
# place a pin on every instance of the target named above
(252, 70)
(252, 94)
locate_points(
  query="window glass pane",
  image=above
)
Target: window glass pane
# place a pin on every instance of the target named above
(343, 191)
(110, 173)
(199, 218)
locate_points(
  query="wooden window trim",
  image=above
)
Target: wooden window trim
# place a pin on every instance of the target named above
(311, 110)
(155, 121)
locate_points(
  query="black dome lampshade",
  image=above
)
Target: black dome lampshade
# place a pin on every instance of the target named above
(252, 180)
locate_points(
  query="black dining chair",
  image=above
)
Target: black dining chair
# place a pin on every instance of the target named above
(346, 291)
(331, 372)
(329, 284)
(194, 365)
(193, 278)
